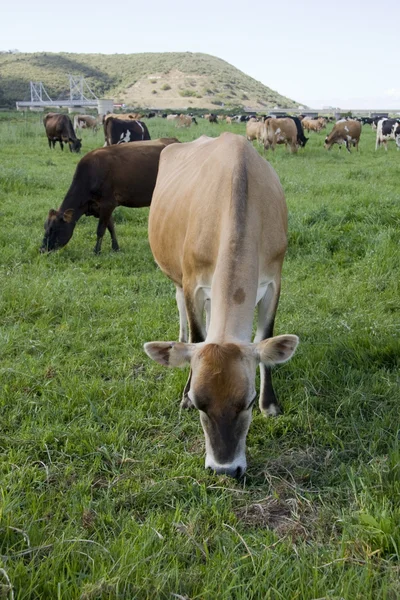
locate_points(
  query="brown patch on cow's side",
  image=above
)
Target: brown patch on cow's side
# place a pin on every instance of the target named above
(239, 296)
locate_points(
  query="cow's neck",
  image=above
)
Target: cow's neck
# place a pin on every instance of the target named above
(233, 297)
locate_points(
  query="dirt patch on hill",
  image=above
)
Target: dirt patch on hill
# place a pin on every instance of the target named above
(179, 90)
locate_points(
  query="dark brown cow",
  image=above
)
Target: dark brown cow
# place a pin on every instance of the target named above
(105, 178)
(121, 131)
(59, 129)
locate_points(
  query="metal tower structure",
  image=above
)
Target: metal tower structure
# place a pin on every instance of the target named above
(80, 94)
(77, 85)
(38, 91)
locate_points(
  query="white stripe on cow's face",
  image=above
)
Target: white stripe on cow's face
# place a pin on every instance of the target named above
(346, 128)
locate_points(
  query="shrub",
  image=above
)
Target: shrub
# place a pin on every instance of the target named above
(165, 87)
(186, 93)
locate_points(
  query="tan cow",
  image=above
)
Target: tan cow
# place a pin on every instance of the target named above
(184, 121)
(312, 125)
(218, 230)
(121, 116)
(172, 117)
(255, 131)
(86, 122)
(344, 132)
(280, 131)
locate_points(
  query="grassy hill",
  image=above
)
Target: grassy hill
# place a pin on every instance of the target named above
(159, 80)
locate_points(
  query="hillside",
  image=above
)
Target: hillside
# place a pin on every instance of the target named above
(159, 80)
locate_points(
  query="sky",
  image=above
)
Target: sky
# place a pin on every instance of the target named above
(343, 53)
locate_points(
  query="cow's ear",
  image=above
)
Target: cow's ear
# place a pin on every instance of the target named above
(170, 354)
(67, 215)
(276, 350)
(52, 213)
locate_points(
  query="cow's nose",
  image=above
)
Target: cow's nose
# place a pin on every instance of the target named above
(235, 472)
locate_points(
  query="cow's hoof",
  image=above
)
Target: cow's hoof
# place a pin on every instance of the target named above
(186, 402)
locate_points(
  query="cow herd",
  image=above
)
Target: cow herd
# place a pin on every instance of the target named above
(289, 130)
(218, 230)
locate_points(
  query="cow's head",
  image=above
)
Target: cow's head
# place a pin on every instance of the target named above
(75, 145)
(222, 388)
(58, 229)
(328, 143)
(302, 141)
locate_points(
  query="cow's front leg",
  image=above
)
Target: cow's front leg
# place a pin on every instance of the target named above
(268, 402)
(183, 326)
(194, 304)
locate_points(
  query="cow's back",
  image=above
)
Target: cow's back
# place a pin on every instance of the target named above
(59, 125)
(345, 129)
(212, 194)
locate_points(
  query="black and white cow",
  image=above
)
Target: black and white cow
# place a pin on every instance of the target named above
(121, 131)
(387, 129)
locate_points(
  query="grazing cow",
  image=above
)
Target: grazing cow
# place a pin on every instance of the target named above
(218, 230)
(105, 178)
(59, 129)
(213, 118)
(313, 125)
(301, 138)
(280, 131)
(344, 132)
(121, 131)
(172, 117)
(255, 131)
(185, 121)
(85, 122)
(387, 129)
(228, 120)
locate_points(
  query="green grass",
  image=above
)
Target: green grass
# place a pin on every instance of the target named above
(103, 489)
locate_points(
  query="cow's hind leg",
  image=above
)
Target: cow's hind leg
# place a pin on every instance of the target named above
(268, 402)
(111, 229)
(194, 304)
(105, 222)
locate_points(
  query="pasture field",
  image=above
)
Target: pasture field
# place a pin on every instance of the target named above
(104, 494)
